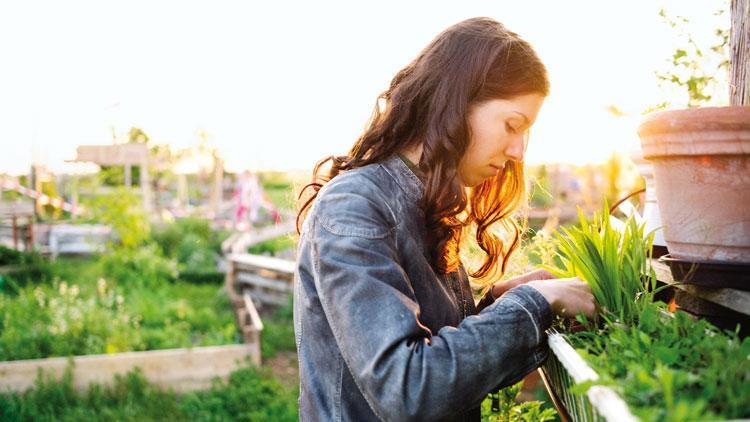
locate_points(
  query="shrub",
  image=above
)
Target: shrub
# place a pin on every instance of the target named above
(144, 266)
(192, 243)
(21, 268)
(122, 210)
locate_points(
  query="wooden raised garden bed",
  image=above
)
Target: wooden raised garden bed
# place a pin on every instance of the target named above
(565, 368)
(179, 369)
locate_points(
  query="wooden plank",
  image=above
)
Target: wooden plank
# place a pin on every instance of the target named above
(16, 208)
(260, 262)
(605, 400)
(241, 241)
(229, 285)
(113, 155)
(179, 369)
(268, 298)
(256, 280)
(255, 320)
(736, 300)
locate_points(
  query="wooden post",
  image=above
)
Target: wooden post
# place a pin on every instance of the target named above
(74, 198)
(146, 187)
(30, 235)
(217, 184)
(15, 232)
(128, 175)
(739, 59)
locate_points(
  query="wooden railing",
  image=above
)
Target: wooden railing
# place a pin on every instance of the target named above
(268, 281)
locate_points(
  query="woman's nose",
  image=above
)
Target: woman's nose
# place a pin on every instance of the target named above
(515, 149)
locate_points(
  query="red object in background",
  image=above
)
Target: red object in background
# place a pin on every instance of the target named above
(673, 306)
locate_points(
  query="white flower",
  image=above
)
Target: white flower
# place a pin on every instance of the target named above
(101, 286)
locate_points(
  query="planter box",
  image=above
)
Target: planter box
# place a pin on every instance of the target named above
(178, 369)
(565, 368)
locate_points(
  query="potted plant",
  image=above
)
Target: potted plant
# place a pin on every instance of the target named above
(701, 158)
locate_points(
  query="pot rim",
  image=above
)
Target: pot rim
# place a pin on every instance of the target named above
(696, 132)
(695, 119)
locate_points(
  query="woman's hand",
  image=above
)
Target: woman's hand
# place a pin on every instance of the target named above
(498, 289)
(568, 297)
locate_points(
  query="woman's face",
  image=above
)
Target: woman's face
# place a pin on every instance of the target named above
(499, 129)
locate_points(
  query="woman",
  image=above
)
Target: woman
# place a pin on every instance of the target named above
(384, 315)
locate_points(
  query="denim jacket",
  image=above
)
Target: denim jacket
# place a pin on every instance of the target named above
(380, 335)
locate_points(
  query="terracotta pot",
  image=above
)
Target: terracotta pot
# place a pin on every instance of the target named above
(701, 161)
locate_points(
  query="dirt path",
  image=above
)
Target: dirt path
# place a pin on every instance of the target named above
(285, 367)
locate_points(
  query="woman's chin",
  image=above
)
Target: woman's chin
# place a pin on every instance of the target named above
(473, 182)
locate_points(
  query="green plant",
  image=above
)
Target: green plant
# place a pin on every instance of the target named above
(540, 195)
(97, 315)
(144, 266)
(122, 210)
(273, 246)
(508, 410)
(697, 70)
(671, 367)
(193, 244)
(249, 394)
(278, 331)
(58, 320)
(613, 263)
(169, 236)
(19, 268)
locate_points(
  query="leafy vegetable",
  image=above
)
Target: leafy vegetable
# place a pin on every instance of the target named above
(671, 368)
(611, 262)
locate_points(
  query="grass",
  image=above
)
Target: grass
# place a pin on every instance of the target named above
(278, 331)
(250, 394)
(273, 246)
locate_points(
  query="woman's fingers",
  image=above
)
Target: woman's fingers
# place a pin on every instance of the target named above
(541, 274)
(568, 297)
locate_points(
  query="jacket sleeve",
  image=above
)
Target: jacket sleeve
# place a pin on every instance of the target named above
(486, 301)
(403, 370)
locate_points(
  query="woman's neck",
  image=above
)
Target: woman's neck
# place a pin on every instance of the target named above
(413, 154)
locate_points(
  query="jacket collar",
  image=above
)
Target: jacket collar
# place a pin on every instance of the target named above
(409, 182)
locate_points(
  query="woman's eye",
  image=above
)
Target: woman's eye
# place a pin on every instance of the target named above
(509, 128)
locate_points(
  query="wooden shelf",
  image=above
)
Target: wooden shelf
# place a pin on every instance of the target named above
(736, 300)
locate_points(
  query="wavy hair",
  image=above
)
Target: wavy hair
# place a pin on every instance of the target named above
(428, 102)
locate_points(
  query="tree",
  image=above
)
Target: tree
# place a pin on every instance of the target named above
(696, 70)
(739, 71)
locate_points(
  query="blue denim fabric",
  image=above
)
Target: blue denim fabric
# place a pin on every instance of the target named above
(380, 335)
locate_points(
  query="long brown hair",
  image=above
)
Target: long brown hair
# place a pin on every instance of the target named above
(428, 101)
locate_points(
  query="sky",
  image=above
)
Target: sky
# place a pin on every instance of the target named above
(279, 85)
